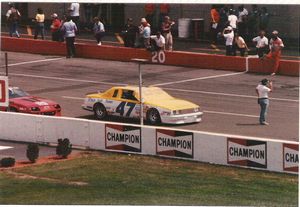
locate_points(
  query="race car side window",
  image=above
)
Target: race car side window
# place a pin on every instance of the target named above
(115, 93)
(128, 94)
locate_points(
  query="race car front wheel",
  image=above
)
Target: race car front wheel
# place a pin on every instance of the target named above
(153, 116)
(100, 111)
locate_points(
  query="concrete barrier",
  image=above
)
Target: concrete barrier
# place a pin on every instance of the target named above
(189, 59)
(223, 149)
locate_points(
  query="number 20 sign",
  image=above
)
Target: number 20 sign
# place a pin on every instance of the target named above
(158, 57)
(4, 91)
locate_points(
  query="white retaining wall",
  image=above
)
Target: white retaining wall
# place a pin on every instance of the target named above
(249, 152)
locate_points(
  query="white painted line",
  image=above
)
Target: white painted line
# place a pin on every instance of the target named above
(65, 79)
(228, 94)
(5, 147)
(70, 97)
(231, 114)
(34, 61)
(201, 78)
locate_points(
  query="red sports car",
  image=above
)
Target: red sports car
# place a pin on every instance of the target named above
(20, 101)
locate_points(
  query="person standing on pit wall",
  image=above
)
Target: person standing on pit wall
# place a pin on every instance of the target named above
(99, 30)
(12, 17)
(262, 91)
(215, 19)
(74, 14)
(145, 33)
(239, 44)
(129, 33)
(158, 42)
(166, 27)
(55, 28)
(262, 44)
(232, 19)
(39, 24)
(276, 46)
(229, 38)
(69, 28)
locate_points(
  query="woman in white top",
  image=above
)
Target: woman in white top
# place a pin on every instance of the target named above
(39, 26)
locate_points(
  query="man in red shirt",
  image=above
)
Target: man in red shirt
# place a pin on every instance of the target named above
(274, 55)
(215, 19)
(55, 28)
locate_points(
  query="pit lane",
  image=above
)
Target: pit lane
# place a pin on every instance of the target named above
(228, 99)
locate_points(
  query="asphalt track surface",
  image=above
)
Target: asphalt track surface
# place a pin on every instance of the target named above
(227, 98)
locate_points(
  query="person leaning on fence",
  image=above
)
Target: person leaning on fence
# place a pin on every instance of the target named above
(166, 27)
(158, 42)
(12, 17)
(98, 30)
(69, 29)
(262, 91)
(55, 28)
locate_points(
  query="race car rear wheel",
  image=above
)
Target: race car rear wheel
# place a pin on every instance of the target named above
(100, 111)
(153, 116)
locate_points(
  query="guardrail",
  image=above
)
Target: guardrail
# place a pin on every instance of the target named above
(222, 149)
(189, 59)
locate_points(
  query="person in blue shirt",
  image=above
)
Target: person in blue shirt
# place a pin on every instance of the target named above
(69, 29)
(145, 33)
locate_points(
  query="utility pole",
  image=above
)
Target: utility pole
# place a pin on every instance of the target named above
(139, 62)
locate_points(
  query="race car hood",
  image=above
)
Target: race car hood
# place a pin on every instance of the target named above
(171, 104)
(32, 101)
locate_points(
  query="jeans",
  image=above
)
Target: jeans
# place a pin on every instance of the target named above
(13, 29)
(39, 28)
(71, 51)
(264, 104)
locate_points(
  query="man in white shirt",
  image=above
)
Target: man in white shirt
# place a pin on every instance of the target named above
(74, 13)
(261, 44)
(232, 19)
(262, 91)
(228, 35)
(159, 41)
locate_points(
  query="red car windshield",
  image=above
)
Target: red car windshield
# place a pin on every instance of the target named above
(16, 93)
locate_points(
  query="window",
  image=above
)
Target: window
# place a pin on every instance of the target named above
(128, 94)
(116, 93)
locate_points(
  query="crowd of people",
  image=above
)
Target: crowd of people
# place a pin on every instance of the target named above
(233, 26)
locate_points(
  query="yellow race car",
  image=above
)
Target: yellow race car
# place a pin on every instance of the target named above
(158, 105)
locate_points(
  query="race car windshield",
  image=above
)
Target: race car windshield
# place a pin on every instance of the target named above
(16, 93)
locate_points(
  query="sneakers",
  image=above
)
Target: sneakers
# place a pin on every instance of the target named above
(273, 74)
(264, 123)
(99, 44)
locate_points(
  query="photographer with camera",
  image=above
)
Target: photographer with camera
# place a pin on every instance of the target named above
(262, 91)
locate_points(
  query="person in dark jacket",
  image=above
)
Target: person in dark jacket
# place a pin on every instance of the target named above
(129, 33)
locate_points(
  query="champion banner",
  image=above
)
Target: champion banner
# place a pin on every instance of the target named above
(290, 157)
(123, 138)
(174, 143)
(249, 153)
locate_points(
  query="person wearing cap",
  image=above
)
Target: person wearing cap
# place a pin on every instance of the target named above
(129, 33)
(229, 38)
(166, 27)
(276, 45)
(145, 32)
(262, 90)
(55, 28)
